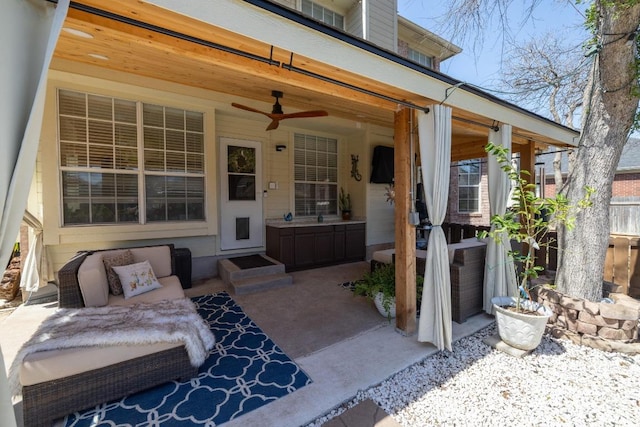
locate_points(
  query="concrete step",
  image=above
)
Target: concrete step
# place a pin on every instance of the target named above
(229, 271)
(261, 283)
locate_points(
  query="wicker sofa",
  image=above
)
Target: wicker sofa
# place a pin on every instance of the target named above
(466, 268)
(56, 383)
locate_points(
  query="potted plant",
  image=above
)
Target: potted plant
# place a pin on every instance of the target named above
(345, 204)
(379, 286)
(521, 321)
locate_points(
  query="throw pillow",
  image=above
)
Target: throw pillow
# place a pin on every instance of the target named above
(110, 261)
(137, 279)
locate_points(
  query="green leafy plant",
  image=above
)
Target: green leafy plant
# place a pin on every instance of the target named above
(345, 200)
(383, 280)
(530, 219)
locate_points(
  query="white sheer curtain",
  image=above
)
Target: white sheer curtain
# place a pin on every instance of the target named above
(499, 271)
(435, 153)
(36, 270)
(30, 31)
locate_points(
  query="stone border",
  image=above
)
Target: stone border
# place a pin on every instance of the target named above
(601, 325)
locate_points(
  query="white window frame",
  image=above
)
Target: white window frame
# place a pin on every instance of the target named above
(466, 184)
(330, 203)
(48, 192)
(328, 15)
(140, 171)
(420, 58)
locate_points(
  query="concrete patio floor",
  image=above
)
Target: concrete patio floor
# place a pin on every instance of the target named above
(339, 340)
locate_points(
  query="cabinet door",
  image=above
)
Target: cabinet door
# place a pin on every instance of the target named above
(324, 246)
(339, 243)
(354, 242)
(305, 243)
(280, 245)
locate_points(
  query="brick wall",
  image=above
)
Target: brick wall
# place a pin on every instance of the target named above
(479, 218)
(403, 48)
(624, 185)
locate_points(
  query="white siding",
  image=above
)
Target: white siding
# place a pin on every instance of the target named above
(353, 21)
(289, 3)
(380, 213)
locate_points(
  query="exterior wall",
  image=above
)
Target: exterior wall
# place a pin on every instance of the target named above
(201, 239)
(289, 3)
(403, 48)
(479, 218)
(382, 23)
(624, 185)
(380, 213)
(353, 21)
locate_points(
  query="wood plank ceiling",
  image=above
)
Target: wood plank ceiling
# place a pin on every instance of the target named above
(152, 53)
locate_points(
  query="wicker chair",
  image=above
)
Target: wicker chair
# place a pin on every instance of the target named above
(47, 401)
(467, 280)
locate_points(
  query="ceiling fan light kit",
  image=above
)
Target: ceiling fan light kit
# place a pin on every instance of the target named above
(277, 114)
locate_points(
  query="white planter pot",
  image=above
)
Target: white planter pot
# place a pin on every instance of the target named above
(520, 330)
(378, 302)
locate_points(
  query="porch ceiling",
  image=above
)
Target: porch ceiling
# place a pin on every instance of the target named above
(157, 53)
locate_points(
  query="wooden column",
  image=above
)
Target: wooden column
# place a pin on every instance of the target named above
(528, 161)
(405, 233)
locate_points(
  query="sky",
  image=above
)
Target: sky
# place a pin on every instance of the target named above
(481, 67)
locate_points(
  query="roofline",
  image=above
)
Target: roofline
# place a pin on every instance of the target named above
(369, 47)
(446, 45)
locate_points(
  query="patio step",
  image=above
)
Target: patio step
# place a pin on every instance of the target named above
(261, 283)
(270, 273)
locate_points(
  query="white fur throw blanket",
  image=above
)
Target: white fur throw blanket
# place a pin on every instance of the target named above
(175, 321)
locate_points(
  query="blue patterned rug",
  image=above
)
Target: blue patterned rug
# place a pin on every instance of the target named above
(244, 371)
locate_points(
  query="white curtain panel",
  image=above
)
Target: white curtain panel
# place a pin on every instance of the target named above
(434, 129)
(30, 31)
(37, 270)
(499, 271)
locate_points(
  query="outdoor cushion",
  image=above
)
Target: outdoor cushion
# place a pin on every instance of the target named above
(115, 260)
(49, 365)
(158, 256)
(171, 289)
(137, 278)
(92, 279)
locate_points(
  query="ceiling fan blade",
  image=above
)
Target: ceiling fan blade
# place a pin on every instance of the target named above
(274, 124)
(253, 110)
(314, 113)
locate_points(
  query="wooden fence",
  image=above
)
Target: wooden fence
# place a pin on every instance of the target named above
(622, 262)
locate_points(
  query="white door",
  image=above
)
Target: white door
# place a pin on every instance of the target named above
(241, 192)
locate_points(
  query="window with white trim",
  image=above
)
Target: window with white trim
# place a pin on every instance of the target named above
(322, 14)
(420, 58)
(315, 175)
(469, 186)
(119, 158)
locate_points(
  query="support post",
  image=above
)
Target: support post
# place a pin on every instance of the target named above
(405, 233)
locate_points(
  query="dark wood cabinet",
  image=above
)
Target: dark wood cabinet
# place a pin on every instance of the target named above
(280, 244)
(305, 247)
(339, 241)
(354, 242)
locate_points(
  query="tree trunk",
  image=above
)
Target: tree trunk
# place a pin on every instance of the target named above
(610, 104)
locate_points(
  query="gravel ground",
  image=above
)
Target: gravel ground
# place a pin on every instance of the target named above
(558, 384)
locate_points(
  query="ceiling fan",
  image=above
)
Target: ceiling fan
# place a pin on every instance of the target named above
(276, 113)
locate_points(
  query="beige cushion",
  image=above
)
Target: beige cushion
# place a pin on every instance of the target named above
(110, 261)
(92, 279)
(386, 256)
(136, 278)
(158, 256)
(464, 244)
(55, 364)
(171, 289)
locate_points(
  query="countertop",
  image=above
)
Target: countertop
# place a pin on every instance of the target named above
(311, 222)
